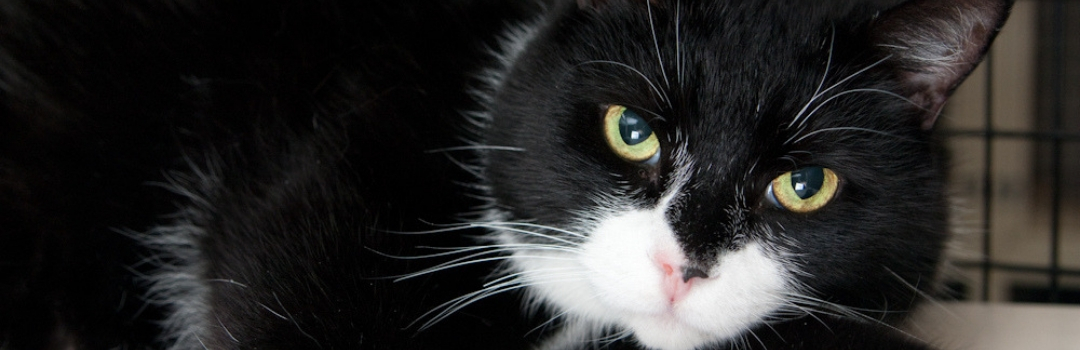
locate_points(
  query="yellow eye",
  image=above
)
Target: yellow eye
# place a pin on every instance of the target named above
(804, 190)
(630, 137)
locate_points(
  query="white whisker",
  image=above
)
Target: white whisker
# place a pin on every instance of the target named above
(678, 43)
(509, 226)
(444, 310)
(472, 259)
(933, 301)
(800, 139)
(817, 305)
(454, 251)
(818, 95)
(549, 322)
(659, 93)
(817, 91)
(222, 324)
(833, 97)
(613, 337)
(656, 44)
(476, 172)
(476, 148)
(496, 224)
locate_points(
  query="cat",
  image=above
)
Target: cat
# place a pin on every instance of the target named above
(475, 174)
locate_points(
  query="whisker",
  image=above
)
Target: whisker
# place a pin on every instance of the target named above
(444, 310)
(837, 310)
(834, 97)
(879, 132)
(660, 94)
(442, 229)
(504, 225)
(425, 256)
(510, 245)
(546, 273)
(475, 148)
(473, 170)
(803, 311)
(537, 234)
(817, 91)
(611, 338)
(447, 266)
(222, 324)
(228, 281)
(751, 332)
(272, 311)
(530, 225)
(470, 260)
(199, 339)
(293, 320)
(678, 44)
(833, 86)
(549, 322)
(656, 43)
(932, 300)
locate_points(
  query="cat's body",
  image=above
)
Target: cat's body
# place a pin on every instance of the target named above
(289, 174)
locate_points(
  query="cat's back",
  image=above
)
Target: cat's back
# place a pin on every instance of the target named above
(132, 132)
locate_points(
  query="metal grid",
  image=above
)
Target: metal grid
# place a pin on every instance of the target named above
(1020, 171)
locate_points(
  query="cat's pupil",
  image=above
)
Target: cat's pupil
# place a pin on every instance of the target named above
(807, 181)
(633, 128)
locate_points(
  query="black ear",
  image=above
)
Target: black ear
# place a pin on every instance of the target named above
(936, 44)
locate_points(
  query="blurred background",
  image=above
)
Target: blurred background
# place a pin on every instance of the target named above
(1013, 130)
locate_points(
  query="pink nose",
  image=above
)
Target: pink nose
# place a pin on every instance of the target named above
(677, 282)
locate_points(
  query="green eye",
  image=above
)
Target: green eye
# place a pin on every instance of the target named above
(630, 137)
(804, 190)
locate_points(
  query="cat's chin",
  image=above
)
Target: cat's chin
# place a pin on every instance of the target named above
(669, 333)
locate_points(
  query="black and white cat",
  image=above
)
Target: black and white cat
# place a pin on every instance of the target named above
(471, 174)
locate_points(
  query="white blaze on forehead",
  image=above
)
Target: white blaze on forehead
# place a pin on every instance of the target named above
(614, 279)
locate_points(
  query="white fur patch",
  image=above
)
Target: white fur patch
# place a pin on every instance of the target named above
(617, 278)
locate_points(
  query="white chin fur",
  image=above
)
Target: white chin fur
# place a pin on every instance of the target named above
(615, 280)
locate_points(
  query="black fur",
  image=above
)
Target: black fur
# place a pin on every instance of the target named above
(293, 140)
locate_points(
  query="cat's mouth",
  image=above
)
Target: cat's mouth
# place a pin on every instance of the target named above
(669, 331)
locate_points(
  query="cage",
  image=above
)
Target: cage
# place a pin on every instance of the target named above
(1013, 130)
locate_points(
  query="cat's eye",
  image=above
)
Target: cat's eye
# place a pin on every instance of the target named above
(804, 190)
(630, 137)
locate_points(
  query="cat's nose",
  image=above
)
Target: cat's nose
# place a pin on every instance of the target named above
(690, 272)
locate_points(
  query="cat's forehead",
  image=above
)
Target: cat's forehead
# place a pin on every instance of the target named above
(699, 66)
(714, 63)
(732, 33)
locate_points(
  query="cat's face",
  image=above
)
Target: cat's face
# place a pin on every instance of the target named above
(688, 172)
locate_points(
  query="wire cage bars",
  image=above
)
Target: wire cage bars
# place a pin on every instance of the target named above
(1014, 135)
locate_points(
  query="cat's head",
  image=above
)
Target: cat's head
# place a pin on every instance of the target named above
(686, 170)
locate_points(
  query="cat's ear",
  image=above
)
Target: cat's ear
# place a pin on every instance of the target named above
(937, 44)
